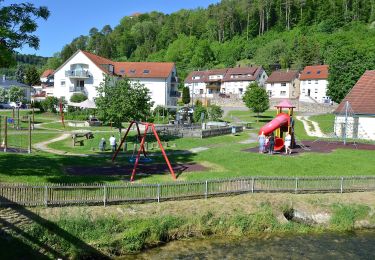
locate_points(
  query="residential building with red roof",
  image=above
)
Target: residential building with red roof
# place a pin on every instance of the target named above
(229, 81)
(355, 116)
(314, 83)
(46, 85)
(84, 71)
(283, 84)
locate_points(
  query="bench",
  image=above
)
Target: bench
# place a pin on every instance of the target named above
(86, 135)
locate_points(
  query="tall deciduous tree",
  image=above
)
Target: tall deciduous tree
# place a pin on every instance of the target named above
(16, 94)
(3, 95)
(256, 98)
(122, 100)
(17, 23)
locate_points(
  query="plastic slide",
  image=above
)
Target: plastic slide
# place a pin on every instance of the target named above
(280, 120)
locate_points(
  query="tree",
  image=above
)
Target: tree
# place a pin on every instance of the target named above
(3, 95)
(32, 77)
(20, 74)
(18, 22)
(122, 101)
(186, 95)
(215, 112)
(197, 115)
(16, 94)
(256, 98)
(50, 104)
(78, 98)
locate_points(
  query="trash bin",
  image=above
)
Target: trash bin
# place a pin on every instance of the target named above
(233, 129)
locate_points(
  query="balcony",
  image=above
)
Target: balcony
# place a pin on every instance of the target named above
(77, 74)
(174, 79)
(76, 89)
(175, 94)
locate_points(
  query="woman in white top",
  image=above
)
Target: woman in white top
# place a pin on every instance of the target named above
(288, 141)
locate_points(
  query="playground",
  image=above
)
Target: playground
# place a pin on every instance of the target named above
(191, 158)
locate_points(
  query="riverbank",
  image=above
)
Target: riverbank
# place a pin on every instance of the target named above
(122, 229)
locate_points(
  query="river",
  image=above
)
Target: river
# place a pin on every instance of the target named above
(355, 245)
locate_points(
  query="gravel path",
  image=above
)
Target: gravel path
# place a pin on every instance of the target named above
(316, 131)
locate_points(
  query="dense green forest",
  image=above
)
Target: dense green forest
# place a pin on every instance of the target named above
(292, 33)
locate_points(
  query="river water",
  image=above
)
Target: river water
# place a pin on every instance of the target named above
(359, 245)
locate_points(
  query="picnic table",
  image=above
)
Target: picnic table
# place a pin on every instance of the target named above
(85, 135)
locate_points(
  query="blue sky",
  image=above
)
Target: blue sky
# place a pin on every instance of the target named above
(72, 18)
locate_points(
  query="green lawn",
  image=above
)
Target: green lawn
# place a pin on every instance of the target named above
(224, 158)
(326, 122)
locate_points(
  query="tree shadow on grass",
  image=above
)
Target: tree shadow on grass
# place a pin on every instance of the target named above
(15, 219)
(52, 168)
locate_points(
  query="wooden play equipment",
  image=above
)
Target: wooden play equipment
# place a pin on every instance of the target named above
(283, 123)
(142, 139)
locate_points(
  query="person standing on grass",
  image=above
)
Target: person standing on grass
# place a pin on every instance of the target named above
(288, 141)
(112, 142)
(261, 140)
(271, 141)
(102, 144)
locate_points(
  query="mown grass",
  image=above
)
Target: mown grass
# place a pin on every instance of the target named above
(325, 121)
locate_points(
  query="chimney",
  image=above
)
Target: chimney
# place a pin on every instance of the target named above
(3, 78)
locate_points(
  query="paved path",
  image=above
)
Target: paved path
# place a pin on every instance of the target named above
(315, 130)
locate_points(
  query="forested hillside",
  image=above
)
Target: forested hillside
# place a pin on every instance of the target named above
(292, 33)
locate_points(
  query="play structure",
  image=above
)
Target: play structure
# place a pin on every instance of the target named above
(15, 134)
(282, 124)
(142, 139)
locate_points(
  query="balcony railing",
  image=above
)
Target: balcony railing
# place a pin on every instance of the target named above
(174, 94)
(76, 89)
(77, 73)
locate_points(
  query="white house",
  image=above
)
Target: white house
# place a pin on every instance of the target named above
(283, 84)
(225, 81)
(313, 84)
(236, 80)
(84, 71)
(355, 116)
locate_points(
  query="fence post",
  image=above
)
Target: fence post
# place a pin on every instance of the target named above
(252, 184)
(46, 195)
(206, 190)
(158, 191)
(104, 195)
(296, 189)
(342, 185)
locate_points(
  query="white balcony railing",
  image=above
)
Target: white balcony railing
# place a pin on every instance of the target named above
(77, 73)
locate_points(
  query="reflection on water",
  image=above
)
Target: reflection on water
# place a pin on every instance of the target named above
(360, 245)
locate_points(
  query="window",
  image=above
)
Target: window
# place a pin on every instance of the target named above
(303, 90)
(272, 84)
(293, 93)
(316, 90)
(318, 72)
(240, 90)
(196, 77)
(283, 84)
(146, 71)
(315, 97)
(309, 82)
(63, 83)
(316, 82)
(264, 76)
(309, 72)
(122, 71)
(132, 71)
(282, 93)
(201, 91)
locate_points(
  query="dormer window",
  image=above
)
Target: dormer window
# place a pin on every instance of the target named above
(318, 72)
(132, 71)
(122, 71)
(146, 71)
(309, 72)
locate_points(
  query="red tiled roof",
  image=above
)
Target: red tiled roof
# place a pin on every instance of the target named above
(315, 72)
(41, 94)
(47, 73)
(243, 73)
(204, 76)
(133, 69)
(362, 96)
(282, 76)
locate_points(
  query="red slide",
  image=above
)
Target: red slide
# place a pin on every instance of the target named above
(280, 120)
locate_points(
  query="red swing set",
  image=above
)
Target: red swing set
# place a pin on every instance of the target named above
(142, 148)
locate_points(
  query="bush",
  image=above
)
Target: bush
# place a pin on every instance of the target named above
(80, 115)
(160, 110)
(215, 112)
(198, 113)
(78, 98)
(38, 105)
(50, 104)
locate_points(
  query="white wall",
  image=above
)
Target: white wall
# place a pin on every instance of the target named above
(318, 90)
(235, 87)
(280, 90)
(363, 127)
(96, 77)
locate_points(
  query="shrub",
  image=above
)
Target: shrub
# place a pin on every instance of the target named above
(50, 104)
(215, 112)
(78, 98)
(198, 113)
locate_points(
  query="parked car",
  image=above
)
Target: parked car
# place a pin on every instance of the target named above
(5, 106)
(93, 121)
(15, 104)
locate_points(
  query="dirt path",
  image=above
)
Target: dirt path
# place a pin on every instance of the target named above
(311, 131)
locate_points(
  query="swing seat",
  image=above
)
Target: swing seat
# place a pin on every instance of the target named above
(141, 160)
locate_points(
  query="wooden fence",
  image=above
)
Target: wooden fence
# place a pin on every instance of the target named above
(59, 194)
